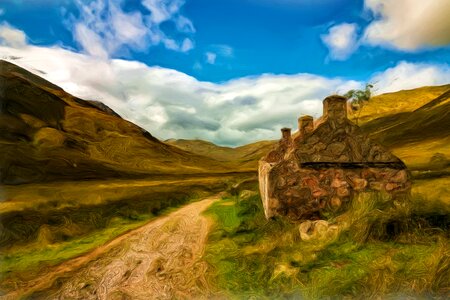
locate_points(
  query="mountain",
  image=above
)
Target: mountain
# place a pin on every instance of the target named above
(243, 158)
(419, 126)
(398, 102)
(47, 134)
(414, 124)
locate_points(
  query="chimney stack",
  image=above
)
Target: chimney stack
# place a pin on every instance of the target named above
(305, 124)
(286, 134)
(335, 107)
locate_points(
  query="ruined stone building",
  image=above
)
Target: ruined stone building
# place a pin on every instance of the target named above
(324, 164)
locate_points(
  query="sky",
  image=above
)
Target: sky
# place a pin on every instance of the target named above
(228, 71)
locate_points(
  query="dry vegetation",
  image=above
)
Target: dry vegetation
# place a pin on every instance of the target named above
(379, 250)
(43, 225)
(47, 134)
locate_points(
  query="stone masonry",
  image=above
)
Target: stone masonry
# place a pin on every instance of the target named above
(324, 164)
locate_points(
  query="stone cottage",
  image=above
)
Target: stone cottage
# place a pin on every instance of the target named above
(324, 164)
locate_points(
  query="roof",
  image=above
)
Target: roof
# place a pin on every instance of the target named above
(335, 141)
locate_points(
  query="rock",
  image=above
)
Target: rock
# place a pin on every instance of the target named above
(317, 193)
(336, 148)
(317, 230)
(400, 176)
(358, 184)
(376, 185)
(391, 186)
(342, 191)
(319, 147)
(337, 183)
(336, 202)
(305, 230)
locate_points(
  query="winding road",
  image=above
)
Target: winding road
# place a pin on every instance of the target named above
(160, 260)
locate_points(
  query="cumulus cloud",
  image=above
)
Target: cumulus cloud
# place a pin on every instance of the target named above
(341, 40)
(408, 24)
(171, 104)
(103, 28)
(406, 76)
(10, 36)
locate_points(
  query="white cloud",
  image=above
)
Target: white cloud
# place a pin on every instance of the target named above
(408, 24)
(10, 36)
(104, 29)
(341, 40)
(171, 104)
(211, 58)
(410, 75)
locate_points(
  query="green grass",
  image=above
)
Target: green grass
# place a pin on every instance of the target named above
(27, 260)
(41, 254)
(62, 232)
(250, 256)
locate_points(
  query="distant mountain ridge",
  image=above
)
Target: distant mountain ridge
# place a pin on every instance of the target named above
(243, 157)
(47, 134)
(400, 120)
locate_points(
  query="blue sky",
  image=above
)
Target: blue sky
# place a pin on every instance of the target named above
(261, 37)
(218, 46)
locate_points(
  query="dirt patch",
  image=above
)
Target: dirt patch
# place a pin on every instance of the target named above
(161, 260)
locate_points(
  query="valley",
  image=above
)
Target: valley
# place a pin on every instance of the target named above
(94, 207)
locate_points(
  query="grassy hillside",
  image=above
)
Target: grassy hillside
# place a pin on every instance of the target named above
(401, 101)
(414, 124)
(47, 134)
(414, 133)
(241, 158)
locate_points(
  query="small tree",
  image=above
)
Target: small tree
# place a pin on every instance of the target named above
(358, 98)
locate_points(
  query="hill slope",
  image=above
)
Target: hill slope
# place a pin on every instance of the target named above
(400, 101)
(416, 133)
(414, 124)
(48, 134)
(240, 158)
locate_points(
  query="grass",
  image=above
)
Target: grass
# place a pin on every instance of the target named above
(56, 231)
(41, 254)
(437, 193)
(417, 155)
(382, 249)
(27, 260)
(401, 101)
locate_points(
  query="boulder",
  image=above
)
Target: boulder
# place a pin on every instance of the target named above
(317, 230)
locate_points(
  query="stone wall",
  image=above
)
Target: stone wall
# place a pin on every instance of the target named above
(324, 164)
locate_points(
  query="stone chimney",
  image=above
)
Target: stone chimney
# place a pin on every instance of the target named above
(305, 124)
(286, 134)
(335, 107)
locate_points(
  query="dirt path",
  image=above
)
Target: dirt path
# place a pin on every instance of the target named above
(160, 260)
